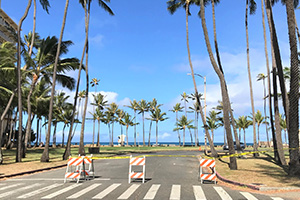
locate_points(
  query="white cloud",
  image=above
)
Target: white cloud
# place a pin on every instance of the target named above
(165, 135)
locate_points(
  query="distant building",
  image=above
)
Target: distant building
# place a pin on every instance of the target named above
(8, 28)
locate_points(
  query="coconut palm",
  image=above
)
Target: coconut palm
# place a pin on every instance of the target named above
(157, 116)
(195, 109)
(143, 106)
(259, 119)
(225, 96)
(120, 115)
(212, 122)
(153, 105)
(262, 77)
(108, 120)
(128, 121)
(112, 109)
(177, 108)
(244, 123)
(94, 83)
(66, 118)
(134, 106)
(184, 98)
(182, 124)
(99, 116)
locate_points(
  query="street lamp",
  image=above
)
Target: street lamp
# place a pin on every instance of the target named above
(204, 78)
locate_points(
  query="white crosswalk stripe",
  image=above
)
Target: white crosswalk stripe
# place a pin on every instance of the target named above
(129, 191)
(59, 192)
(276, 198)
(175, 192)
(10, 186)
(105, 192)
(18, 190)
(152, 192)
(198, 192)
(222, 193)
(248, 196)
(84, 191)
(35, 192)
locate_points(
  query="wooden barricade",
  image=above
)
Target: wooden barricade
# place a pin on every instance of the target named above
(137, 161)
(211, 164)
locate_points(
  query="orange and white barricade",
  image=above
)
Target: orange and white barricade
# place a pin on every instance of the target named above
(208, 176)
(89, 166)
(137, 161)
(75, 169)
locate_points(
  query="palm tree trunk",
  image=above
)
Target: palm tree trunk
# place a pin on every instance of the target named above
(225, 99)
(127, 135)
(177, 129)
(293, 124)
(98, 136)
(250, 83)
(19, 78)
(37, 132)
(183, 137)
(245, 138)
(212, 135)
(149, 133)
(156, 133)
(93, 140)
(87, 22)
(258, 139)
(45, 156)
(143, 129)
(54, 136)
(135, 128)
(63, 136)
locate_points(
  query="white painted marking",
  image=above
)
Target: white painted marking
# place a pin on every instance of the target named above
(105, 192)
(36, 179)
(82, 192)
(198, 192)
(276, 198)
(222, 193)
(101, 179)
(25, 196)
(50, 196)
(152, 191)
(129, 191)
(10, 186)
(175, 192)
(248, 196)
(18, 190)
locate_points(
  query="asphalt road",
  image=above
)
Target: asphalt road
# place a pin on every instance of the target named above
(166, 178)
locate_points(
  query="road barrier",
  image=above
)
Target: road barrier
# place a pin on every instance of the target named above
(75, 169)
(208, 164)
(137, 161)
(89, 165)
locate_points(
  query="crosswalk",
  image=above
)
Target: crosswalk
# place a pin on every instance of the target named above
(123, 191)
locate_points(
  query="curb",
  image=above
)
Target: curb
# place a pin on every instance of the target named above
(253, 187)
(32, 171)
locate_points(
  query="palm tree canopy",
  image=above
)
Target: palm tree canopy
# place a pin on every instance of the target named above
(101, 4)
(177, 108)
(157, 115)
(94, 82)
(143, 106)
(213, 120)
(184, 123)
(128, 120)
(99, 101)
(259, 119)
(185, 97)
(133, 105)
(243, 122)
(153, 104)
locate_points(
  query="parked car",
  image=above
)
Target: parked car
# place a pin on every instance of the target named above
(225, 147)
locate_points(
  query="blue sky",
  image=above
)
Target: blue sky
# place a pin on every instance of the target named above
(140, 53)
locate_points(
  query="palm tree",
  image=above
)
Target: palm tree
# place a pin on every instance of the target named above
(283, 126)
(293, 120)
(128, 121)
(195, 109)
(94, 82)
(225, 96)
(157, 116)
(262, 77)
(182, 124)
(66, 117)
(120, 114)
(108, 120)
(212, 122)
(244, 123)
(134, 106)
(153, 105)
(260, 120)
(112, 109)
(99, 116)
(177, 108)
(185, 98)
(143, 106)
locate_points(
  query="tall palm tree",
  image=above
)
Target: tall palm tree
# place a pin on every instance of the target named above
(177, 108)
(153, 105)
(195, 108)
(157, 116)
(212, 122)
(244, 123)
(184, 98)
(182, 124)
(262, 77)
(259, 119)
(143, 106)
(225, 96)
(112, 109)
(94, 83)
(99, 116)
(108, 120)
(134, 106)
(66, 117)
(293, 120)
(128, 121)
